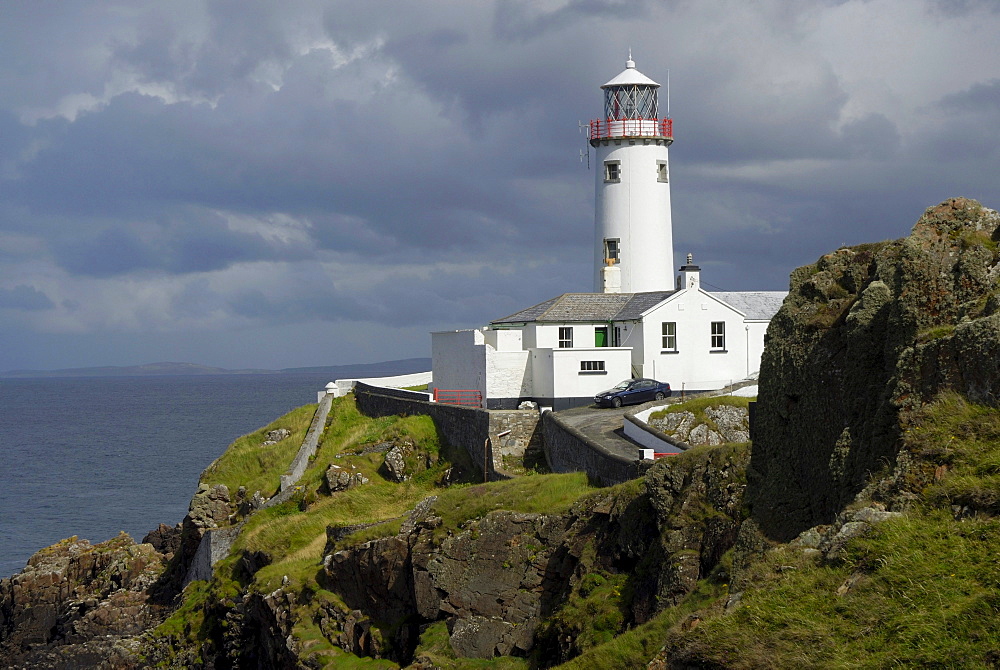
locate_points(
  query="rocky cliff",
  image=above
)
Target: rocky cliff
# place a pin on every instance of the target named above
(866, 335)
(874, 469)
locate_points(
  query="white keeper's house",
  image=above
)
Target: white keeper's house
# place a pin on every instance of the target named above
(640, 321)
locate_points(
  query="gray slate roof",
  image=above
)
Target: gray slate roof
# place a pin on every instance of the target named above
(603, 307)
(756, 305)
(588, 307)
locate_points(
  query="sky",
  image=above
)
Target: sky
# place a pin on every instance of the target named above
(248, 183)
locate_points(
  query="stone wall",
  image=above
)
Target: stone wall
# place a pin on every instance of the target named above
(214, 546)
(309, 444)
(569, 450)
(467, 427)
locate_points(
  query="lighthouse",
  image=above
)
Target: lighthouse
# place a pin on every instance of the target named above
(633, 247)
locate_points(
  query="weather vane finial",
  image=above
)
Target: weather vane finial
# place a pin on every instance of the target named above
(630, 63)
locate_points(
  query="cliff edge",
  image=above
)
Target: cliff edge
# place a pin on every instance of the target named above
(866, 335)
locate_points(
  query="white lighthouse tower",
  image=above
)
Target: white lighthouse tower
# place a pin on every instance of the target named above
(634, 248)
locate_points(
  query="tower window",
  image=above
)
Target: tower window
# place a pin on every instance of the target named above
(565, 337)
(718, 334)
(612, 172)
(612, 251)
(661, 171)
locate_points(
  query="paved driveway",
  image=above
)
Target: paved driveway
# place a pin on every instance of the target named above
(604, 426)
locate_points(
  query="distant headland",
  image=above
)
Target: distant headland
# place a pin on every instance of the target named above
(384, 368)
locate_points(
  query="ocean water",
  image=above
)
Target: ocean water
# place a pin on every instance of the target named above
(94, 456)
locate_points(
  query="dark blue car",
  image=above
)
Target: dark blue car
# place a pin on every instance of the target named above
(633, 391)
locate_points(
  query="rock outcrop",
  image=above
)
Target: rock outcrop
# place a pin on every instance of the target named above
(339, 479)
(79, 605)
(728, 423)
(866, 335)
(495, 580)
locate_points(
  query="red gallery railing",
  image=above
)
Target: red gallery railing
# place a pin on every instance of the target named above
(604, 128)
(467, 397)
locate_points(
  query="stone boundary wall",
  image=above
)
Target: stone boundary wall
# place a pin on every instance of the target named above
(398, 393)
(634, 423)
(309, 444)
(216, 542)
(467, 427)
(569, 450)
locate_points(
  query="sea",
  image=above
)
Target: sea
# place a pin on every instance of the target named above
(93, 456)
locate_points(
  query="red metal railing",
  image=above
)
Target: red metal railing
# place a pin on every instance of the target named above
(468, 397)
(600, 128)
(662, 454)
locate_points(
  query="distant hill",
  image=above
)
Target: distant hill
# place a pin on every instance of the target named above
(383, 369)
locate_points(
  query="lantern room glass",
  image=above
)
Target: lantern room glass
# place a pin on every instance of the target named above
(630, 102)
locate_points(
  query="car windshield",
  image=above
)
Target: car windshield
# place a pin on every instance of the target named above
(621, 386)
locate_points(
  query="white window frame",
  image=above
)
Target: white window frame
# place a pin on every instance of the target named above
(616, 256)
(593, 367)
(612, 172)
(565, 337)
(669, 335)
(718, 336)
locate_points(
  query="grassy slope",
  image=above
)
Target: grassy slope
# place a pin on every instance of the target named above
(698, 406)
(923, 589)
(247, 463)
(293, 534)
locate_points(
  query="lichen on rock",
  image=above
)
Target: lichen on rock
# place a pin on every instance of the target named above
(867, 334)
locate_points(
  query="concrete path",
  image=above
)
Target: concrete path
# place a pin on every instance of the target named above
(604, 426)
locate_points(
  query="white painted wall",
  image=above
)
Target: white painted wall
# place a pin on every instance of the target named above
(508, 374)
(637, 212)
(342, 387)
(546, 336)
(504, 339)
(695, 365)
(648, 440)
(541, 372)
(458, 359)
(755, 335)
(568, 381)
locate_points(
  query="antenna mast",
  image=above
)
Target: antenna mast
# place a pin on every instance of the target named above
(668, 94)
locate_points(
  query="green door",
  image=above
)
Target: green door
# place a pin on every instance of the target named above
(601, 336)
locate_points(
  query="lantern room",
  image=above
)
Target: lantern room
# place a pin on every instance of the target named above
(631, 108)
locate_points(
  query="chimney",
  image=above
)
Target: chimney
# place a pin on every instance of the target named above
(611, 278)
(690, 276)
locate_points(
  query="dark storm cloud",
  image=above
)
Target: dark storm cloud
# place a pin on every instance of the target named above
(204, 167)
(199, 242)
(525, 22)
(25, 298)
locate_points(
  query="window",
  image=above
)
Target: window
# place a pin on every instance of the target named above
(601, 336)
(592, 366)
(617, 342)
(612, 251)
(565, 337)
(612, 171)
(661, 171)
(670, 335)
(718, 334)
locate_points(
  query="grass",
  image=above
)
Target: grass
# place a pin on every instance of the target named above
(935, 333)
(924, 587)
(539, 494)
(636, 646)
(698, 406)
(434, 645)
(259, 468)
